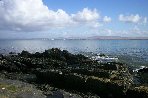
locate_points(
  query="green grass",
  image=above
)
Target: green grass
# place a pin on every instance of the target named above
(8, 87)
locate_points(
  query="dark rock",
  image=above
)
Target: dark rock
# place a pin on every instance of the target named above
(101, 86)
(56, 94)
(25, 54)
(143, 75)
(137, 92)
(102, 55)
(68, 71)
(1, 56)
(144, 70)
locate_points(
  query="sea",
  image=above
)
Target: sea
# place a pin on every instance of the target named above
(131, 52)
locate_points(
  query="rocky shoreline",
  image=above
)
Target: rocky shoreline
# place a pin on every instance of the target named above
(59, 74)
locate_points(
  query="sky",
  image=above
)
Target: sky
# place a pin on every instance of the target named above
(73, 18)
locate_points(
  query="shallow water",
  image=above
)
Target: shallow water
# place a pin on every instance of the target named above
(132, 52)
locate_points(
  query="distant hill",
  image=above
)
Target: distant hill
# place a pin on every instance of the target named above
(95, 38)
(105, 37)
(116, 37)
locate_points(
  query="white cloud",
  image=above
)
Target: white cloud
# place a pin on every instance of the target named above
(107, 19)
(136, 31)
(137, 19)
(30, 15)
(145, 20)
(96, 25)
(131, 18)
(136, 28)
(33, 15)
(86, 15)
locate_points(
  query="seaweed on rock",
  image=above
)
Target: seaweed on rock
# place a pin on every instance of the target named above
(72, 72)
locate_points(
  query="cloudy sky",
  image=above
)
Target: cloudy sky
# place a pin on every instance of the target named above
(73, 18)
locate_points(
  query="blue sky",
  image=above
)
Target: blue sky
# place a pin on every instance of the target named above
(73, 18)
(110, 7)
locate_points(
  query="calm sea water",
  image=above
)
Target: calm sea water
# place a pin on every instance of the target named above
(132, 52)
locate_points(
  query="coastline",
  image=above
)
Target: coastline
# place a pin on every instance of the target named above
(72, 72)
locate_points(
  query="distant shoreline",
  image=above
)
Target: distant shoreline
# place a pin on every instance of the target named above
(122, 38)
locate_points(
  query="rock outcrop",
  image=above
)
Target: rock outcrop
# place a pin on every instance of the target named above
(73, 72)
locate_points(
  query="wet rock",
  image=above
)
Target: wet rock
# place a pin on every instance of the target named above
(56, 94)
(143, 75)
(64, 70)
(102, 86)
(137, 92)
(144, 70)
(1, 56)
(25, 54)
